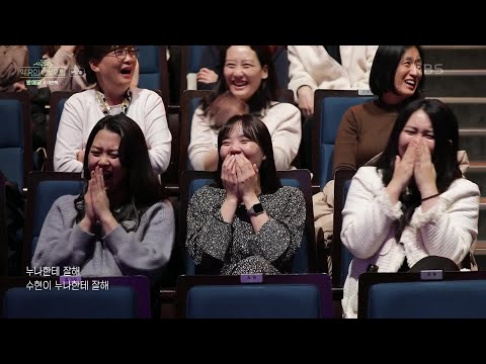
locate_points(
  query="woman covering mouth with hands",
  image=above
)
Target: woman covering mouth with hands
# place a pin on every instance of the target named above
(414, 210)
(246, 222)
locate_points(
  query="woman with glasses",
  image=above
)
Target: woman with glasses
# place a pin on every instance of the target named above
(61, 71)
(111, 70)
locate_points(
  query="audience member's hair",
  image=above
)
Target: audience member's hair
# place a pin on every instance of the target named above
(143, 185)
(444, 156)
(268, 88)
(385, 64)
(93, 53)
(255, 130)
(224, 107)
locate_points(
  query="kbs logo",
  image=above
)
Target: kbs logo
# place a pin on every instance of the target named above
(433, 69)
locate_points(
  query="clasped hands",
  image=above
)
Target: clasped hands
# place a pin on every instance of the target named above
(97, 204)
(239, 177)
(417, 163)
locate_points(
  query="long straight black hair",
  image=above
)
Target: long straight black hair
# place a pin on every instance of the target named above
(142, 183)
(444, 156)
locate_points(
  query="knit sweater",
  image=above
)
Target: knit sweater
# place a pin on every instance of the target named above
(363, 133)
(82, 112)
(144, 251)
(448, 229)
(283, 121)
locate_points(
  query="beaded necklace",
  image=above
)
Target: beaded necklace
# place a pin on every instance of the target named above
(105, 108)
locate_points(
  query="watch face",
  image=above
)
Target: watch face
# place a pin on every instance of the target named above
(257, 208)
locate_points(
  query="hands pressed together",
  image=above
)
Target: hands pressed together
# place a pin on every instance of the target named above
(416, 163)
(239, 177)
(97, 204)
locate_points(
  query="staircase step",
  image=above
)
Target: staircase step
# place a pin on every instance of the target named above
(473, 144)
(462, 100)
(476, 167)
(480, 248)
(472, 132)
(478, 176)
(470, 111)
(454, 57)
(456, 83)
(455, 72)
(482, 223)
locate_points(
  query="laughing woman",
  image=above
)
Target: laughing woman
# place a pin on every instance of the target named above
(111, 69)
(121, 224)
(414, 210)
(249, 75)
(246, 222)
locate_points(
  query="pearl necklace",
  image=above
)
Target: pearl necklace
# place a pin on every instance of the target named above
(105, 108)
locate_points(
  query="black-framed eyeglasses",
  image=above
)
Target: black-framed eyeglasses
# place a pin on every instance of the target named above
(121, 53)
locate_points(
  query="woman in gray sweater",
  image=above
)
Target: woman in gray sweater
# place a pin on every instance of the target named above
(121, 224)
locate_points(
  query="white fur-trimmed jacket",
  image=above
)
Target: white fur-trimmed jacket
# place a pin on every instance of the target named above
(312, 66)
(448, 229)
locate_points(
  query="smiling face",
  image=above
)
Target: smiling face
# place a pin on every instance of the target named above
(408, 73)
(104, 152)
(418, 127)
(116, 68)
(237, 143)
(243, 72)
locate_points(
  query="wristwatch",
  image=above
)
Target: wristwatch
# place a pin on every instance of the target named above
(256, 209)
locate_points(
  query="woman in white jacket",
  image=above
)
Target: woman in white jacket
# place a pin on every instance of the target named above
(413, 210)
(325, 67)
(249, 75)
(312, 67)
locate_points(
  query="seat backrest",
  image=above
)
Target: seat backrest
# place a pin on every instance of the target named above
(281, 64)
(329, 108)
(35, 53)
(56, 106)
(254, 296)
(190, 100)
(190, 65)
(43, 189)
(305, 257)
(21, 302)
(87, 297)
(189, 103)
(16, 155)
(428, 294)
(154, 73)
(3, 227)
(341, 257)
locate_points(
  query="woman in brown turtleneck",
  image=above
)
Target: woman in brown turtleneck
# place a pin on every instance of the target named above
(396, 78)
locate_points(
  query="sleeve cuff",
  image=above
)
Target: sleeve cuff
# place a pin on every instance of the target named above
(392, 211)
